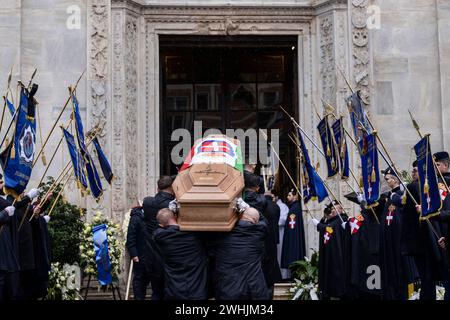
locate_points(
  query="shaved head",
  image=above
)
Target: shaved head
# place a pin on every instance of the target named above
(166, 217)
(251, 215)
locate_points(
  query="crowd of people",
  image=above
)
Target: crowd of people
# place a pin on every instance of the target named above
(241, 264)
(378, 252)
(24, 245)
(383, 251)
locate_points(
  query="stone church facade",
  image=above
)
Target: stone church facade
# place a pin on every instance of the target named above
(396, 52)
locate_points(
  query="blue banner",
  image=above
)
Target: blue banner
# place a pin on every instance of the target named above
(77, 160)
(370, 169)
(430, 198)
(95, 184)
(17, 163)
(358, 117)
(10, 107)
(102, 254)
(329, 147)
(104, 163)
(313, 186)
(339, 137)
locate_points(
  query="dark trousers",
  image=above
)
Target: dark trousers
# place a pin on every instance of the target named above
(9, 285)
(142, 278)
(427, 283)
(27, 285)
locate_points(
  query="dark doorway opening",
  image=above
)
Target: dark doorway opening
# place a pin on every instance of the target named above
(228, 82)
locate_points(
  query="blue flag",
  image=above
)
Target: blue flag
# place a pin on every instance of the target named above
(430, 198)
(10, 107)
(95, 184)
(329, 147)
(339, 137)
(77, 160)
(358, 117)
(370, 169)
(313, 186)
(17, 159)
(104, 163)
(100, 239)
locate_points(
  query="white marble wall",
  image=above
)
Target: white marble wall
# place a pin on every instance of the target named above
(411, 55)
(34, 34)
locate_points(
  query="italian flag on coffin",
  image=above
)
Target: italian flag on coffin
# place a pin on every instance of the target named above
(215, 149)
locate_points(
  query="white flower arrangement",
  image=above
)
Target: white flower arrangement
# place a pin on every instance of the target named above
(305, 273)
(115, 246)
(64, 282)
(304, 291)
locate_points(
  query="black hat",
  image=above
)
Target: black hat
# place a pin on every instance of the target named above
(414, 164)
(442, 155)
(331, 205)
(352, 197)
(389, 170)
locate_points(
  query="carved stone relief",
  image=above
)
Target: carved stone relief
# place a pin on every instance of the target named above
(361, 55)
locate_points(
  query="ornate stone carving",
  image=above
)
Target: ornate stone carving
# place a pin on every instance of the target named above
(327, 61)
(361, 55)
(98, 44)
(131, 111)
(117, 195)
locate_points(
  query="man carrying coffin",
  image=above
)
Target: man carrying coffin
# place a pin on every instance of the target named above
(184, 259)
(237, 258)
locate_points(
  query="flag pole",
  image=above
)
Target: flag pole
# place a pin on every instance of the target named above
(321, 152)
(130, 272)
(287, 172)
(388, 162)
(54, 154)
(416, 126)
(60, 193)
(57, 119)
(5, 97)
(332, 194)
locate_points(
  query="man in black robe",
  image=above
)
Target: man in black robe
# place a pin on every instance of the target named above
(395, 267)
(184, 260)
(270, 213)
(151, 207)
(8, 260)
(332, 266)
(441, 222)
(237, 258)
(365, 248)
(294, 246)
(42, 250)
(22, 242)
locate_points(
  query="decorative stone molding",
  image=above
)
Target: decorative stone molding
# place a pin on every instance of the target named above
(118, 98)
(361, 53)
(131, 109)
(327, 59)
(98, 79)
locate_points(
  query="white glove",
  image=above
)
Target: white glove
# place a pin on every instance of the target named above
(241, 205)
(173, 206)
(402, 188)
(343, 224)
(33, 193)
(47, 218)
(10, 210)
(315, 221)
(360, 197)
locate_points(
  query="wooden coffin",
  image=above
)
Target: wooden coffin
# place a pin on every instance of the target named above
(206, 194)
